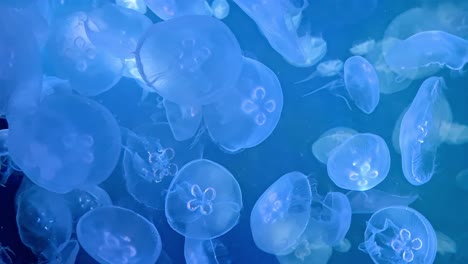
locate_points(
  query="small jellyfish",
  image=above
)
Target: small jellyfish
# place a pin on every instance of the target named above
(203, 201)
(137, 5)
(117, 235)
(328, 68)
(184, 120)
(220, 8)
(362, 48)
(462, 180)
(280, 216)
(371, 201)
(399, 235)
(360, 163)
(247, 115)
(329, 140)
(184, 59)
(419, 131)
(360, 82)
(178, 8)
(445, 245)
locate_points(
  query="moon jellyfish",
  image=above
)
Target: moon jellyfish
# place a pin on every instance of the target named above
(362, 48)
(69, 142)
(220, 8)
(361, 83)
(445, 245)
(371, 201)
(425, 51)
(184, 120)
(248, 114)
(117, 25)
(280, 216)
(360, 163)
(88, 198)
(118, 235)
(44, 221)
(205, 252)
(327, 68)
(178, 8)
(462, 180)
(329, 140)
(137, 5)
(184, 59)
(151, 160)
(399, 235)
(203, 201)
(73, 57)
(419, 132)
(279, 21)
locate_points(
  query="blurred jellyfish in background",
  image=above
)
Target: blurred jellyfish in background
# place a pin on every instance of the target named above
(205, 252)
(53, 85)
(137, 5)
(362, 48)
(359, 163)
(184, 120)
(462, 180)
(373, 200)
(7, 166)
(323, 147)
(220, 8)
(445, 245)
(328, 68)
(166, 10)
(66, 254)
(5, 255)
(204, 200)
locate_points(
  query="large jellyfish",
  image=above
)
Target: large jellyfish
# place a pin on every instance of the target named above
(360, 163)
(248, 114)
(329, 140)
(184, 59)
(69, 142)
(361, 83)
(280, 216)
(371, 201)
(203, 201)
(399, 235)
(419, 131)
(117, 235)
(279, 21)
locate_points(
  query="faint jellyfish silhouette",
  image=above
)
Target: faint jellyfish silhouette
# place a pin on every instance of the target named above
(305, 252)
(249, 113)
(419, 132)
(203, 201)
(373, 200)
(44, 220)
(360, 82)
(188, 66)
(220, 8)
(328, 68)
(360, 163)
(81, 146)
(57, 10)
(53, 85)
(280, 216)
(329, 140)
(85, 199)
(178, 8)
(184, 120)
(396, 131)
(343, 246)
(151, 159)
(399, 235)
(205, 252)
(462, 180)
(445, 245)
(453, 133)
(66, 254)
(362, 48)
(114, 234)
(5, 255)
(137, 5)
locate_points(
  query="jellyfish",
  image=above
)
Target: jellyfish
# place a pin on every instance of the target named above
(178, 8)
(220, 8)
(120, 26)
(184, 120)
(280, 22)
(184, 59)
(329, 140)
(453, 133)
(399, 235)
(69, 142)
(203, 201)
(427, 51)
(249, 114)
(72, 56)
(66, 254)
(152, 158)
(44, 221)
(280, 216)
(343, 246)
(328, 68)
(419, 131)
(360, 163)
(137, 5)
(396, 131)
(85, 199)
(53, 85)
(445, 245)
(373, 200)
(205, 252)
(361, 83)
(362, 48)
(462, 180)
(113, 234)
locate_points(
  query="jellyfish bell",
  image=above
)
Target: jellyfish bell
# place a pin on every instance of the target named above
(329, 140)
(362, 48)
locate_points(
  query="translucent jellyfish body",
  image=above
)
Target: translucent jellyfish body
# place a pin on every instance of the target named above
(371, 201)
(69, 142)
(220, 8)
(184, 120)
(118, 235)
(279, 21)
(445, 244)
(169, 9)
(184, 59)
(425, 51)
(419, 131)
(44, 221)
(73, 57)
(329, 140)
(362, 48)
(328, 68)
(462, 180)
(151, 160)
(205, 252)
(203, 201)
(66, 254)
(137, 5)
(399, 235)
(248, 114)
(360, 163)
(361, 83)
(120, 26)
(88, 198)
(280, 216)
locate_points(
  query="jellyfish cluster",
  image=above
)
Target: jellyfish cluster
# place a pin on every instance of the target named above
(207, 132)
